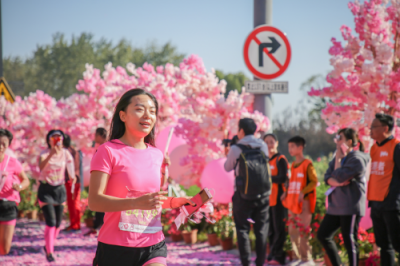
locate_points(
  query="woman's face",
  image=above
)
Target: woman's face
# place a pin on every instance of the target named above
(140, 116)
(4, 143)
(342, 140)
(55, 139)
(272, 144)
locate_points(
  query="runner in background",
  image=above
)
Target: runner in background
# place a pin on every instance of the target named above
(73, 199)
(278, 213)
(346, 197)
(384, 188)
(53, 162)
(12, 180)
(100, 137)
(125, 183)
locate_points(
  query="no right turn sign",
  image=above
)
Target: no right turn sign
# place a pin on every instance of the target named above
(267, 52)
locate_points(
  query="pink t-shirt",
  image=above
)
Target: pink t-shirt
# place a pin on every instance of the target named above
(14, 168)
(136, 169)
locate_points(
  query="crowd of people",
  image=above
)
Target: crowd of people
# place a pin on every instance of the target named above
(127, 172)
(291, 194)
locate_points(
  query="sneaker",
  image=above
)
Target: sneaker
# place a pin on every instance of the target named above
(50, 258)
(294, 263)
(91, 232)
(307, 263)
(274, 262)
(70, 229)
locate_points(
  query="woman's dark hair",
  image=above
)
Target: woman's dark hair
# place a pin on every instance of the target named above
(351, 134)
(270, 135)
(117, 127)
(386, 120)
(67, 141)
(50, 133)
(5, 133)
(102, 132)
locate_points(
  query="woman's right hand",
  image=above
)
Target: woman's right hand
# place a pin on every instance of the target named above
(284, 195)
(55, 150)
(150, 201)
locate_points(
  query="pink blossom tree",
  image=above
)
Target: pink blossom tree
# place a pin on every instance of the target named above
(188, 95)
(365, 78)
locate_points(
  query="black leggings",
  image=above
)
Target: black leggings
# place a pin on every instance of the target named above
(349, 227)
(53, 214)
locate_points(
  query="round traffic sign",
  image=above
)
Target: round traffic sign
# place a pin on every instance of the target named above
(267, 52)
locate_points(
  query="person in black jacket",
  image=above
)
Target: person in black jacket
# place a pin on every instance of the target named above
(346, 197)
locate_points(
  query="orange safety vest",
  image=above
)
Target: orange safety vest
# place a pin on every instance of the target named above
(382, 165)
(297, 182)
(275, 187)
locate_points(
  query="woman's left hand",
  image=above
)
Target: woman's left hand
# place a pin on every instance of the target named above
(73, 180)
(179, 202)
(167, 160)
(17, 187)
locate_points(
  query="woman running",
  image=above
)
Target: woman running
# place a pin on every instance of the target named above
(51, 193)
(125, 182)
(12, 180)
(346, 201)
(280, 176)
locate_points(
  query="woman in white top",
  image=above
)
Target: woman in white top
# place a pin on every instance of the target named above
(51, 193)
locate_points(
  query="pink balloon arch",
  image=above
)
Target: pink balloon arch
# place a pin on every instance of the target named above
(216, 178)
(176, 170)
(162, 137)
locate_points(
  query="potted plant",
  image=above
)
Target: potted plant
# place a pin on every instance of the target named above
(212, 234)
(27, 207)
(189, 232)
(169, 227)
(226, 232)
(368, 254)
(175, 234)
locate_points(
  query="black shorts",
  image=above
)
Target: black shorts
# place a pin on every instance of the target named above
(54, 195)
(8, 210)
(108, 255)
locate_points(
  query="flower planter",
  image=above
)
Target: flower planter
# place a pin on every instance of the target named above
(362, 261)
(176, 237)
(190, 237)
(32, 215)
(226, 244)
(327, 260)
(89, 222)
(289, 254)
(213, 239)
(21, 214)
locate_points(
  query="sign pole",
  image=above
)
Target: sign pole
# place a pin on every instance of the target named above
(1, 44)
(263, 15)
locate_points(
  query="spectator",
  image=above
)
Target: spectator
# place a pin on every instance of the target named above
(251, 197)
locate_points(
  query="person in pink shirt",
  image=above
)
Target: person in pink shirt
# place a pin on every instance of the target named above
(53, 163)
(125, 183)
(12, 180)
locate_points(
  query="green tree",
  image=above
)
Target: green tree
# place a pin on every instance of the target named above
(235, 81)
(56, 68)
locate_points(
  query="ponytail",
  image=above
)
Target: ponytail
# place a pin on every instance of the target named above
(361, 146)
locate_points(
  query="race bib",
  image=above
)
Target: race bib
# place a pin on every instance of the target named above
(140, 221)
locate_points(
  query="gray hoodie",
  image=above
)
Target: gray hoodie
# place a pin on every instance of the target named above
(235, 151)
(350, 199)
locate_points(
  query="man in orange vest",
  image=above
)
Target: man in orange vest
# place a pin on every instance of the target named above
(384, 188)
(300, 199)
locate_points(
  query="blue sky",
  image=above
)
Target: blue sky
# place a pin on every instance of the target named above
(213, 29)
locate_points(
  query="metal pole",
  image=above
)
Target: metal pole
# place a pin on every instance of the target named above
(1, 44)
(262, 16)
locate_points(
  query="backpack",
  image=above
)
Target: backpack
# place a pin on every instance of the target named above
(254, 179)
